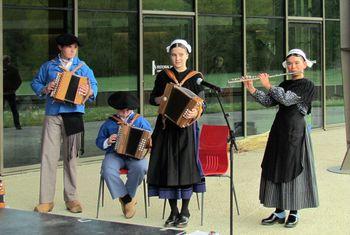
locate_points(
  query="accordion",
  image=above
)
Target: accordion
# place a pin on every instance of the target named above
(66, 88)
(176, 101)
(132, 141)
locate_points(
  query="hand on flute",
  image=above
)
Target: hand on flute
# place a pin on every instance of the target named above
(248, 84)
(265, 81)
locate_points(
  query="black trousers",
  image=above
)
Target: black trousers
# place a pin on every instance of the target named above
(11, 99)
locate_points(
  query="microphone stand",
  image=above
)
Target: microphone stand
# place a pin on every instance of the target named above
(232, 140)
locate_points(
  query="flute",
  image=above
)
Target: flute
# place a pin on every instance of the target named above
(252, 78)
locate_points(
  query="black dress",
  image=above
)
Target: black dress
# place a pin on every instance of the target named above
(174, 170)
(284, 150)
(288, 179)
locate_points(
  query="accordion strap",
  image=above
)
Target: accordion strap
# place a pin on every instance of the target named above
(74, 70)
(117, 119)
(172, 76)
(78, 67)
(136, 116)
(120, 121)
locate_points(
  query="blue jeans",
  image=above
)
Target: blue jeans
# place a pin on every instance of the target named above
(111, 165)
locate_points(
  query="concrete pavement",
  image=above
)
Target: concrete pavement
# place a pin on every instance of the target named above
(331, 217)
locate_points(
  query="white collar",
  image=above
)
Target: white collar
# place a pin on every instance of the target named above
(126, 118)
(67, 63)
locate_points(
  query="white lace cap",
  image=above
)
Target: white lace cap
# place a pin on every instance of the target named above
(181, 41)
(309, 63)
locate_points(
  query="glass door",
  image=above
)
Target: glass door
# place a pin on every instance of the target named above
(308, 37)
(158, 33)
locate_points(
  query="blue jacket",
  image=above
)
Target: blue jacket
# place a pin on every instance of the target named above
(48, 72)
(110, 127)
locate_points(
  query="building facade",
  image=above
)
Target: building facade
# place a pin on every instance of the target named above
(124, 43)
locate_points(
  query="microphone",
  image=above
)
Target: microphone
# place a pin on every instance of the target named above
(200, 81)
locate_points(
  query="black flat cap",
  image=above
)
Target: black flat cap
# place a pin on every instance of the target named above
(67, 39)
(123, 100)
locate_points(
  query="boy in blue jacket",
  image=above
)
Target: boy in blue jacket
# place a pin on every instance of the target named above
(63, 123)
(124, 103)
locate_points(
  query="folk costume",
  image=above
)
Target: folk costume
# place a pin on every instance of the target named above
(175, 171)
(288, 180)
(288, 176)
(63, 122)
(113, 162)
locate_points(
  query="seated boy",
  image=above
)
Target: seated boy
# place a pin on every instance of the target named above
(124, 103)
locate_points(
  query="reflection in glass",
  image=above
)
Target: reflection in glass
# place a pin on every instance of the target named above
(265, 53)
(265, 7)
(305, 8)
(332, 9)
(308, 38)
(50, 3)
(334, 82)
(110, 49)
(220, 58)
(230, 7)
(158, 33)
(108, 4)
(29, 40)
(168, 5)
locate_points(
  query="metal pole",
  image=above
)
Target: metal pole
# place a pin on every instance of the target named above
(244, 58)
(75, 19)
(141, 79)
(196, 34)
(1, 96)
(345, 60)
(323, 65)
(233, 145)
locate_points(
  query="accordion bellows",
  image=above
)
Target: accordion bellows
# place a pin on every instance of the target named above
(176, 101)
(132, 141)
(66, 88)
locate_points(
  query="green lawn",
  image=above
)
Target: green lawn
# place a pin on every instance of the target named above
(119, 83)
(33, 114)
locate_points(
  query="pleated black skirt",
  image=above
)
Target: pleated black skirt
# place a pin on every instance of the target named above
(299, 193)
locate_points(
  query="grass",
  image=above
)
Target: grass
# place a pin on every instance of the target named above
(120, 83)
(34, 115)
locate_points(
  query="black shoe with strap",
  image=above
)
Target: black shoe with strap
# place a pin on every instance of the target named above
(182, 221)
(292, 221)
(171, 221)
(272, 219)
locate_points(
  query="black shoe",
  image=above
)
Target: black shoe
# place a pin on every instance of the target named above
(171, 221)
(182, 221)
(272, 219)
(292, 221)
(18, 128)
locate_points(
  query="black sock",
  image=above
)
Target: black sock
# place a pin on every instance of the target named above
(184, 208)
(126, 199)
(294, 212)
(278, 210)
(173, 206)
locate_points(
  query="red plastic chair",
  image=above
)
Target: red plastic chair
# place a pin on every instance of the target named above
(101, 192)
(213, 150)
(213, 154)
